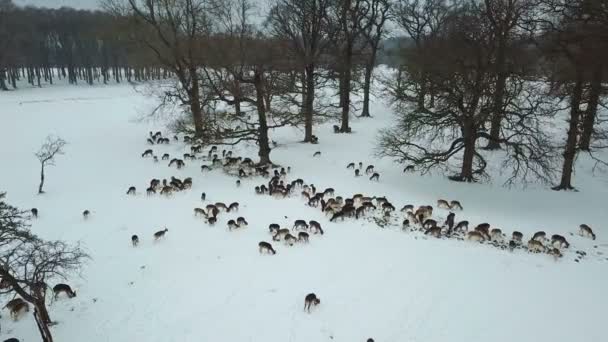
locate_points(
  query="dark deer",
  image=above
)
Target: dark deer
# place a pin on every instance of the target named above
(147, 153)
(369, 169)
(375, 176)
(135, 240)
(303, 237)
(160, 234)
(586, 231)
(34, 212)
(266, 247)
(85, 214)
(131, 191)
(310, 300)
(63, 288)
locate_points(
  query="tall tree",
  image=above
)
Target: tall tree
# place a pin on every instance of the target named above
(376, 30)
(305, 25)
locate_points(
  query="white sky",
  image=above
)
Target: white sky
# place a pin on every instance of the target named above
(84, 4)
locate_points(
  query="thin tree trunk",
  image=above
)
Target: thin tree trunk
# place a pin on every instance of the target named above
(345, 89)
(498, 101)
(2, 80)
(591, 112)
(42, 321)
(573, 131)
(263, 140)
(41, 180)
(369, 69)
(309, 101)
(195, 104)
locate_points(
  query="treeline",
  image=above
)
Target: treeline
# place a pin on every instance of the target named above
(40, 44)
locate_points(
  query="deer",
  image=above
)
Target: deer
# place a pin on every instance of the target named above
(274, 228)
(350, 166)
(241, 221)
(375, 176)
(147, 153)
(232, 225)
(12, 303)
(63, 288)
(266, 247)
(407, 208)
(221, 205)
(200, 212)
(290, 239)
(536, 246)
(559, 241)
(134, 240)
(369, 169)
(234, 206)
(18, 309)
(475, 236)
(34, 212)
(517, 237)
(160, 234)
(303, 237)
(586, 231)
(443, 204)
(539, 236)
(455, 205)
(203, 196)
(317, 154)
(555, 252)
(281, 233)
(300, 224)
(496, 234)
(131, 190)
(150, 191)
(409, 168)
(310, 300)
(85, 214)
(433, 231)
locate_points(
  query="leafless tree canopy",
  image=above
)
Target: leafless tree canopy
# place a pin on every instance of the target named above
(52, 147)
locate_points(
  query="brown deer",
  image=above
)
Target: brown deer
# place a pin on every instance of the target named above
(281, 233)
(462, 226)
(18, 309)
(433, 231)
(555, 252)
(160, 234)
(12, 303)
(310, 300)
(496, 234)
(266, 247)
(290, 239)
(475, 236)
(536, 246)
(63, 288)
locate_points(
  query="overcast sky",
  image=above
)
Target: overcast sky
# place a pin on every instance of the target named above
(88, 4)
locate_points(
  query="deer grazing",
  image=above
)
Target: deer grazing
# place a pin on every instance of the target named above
(131, 190)
(135, 240)
(310, 300)
(63, 288)
(34, 212)
(19, 309)
(265, 247)
(586, 231)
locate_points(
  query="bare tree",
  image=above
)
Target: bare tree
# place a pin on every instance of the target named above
(461, 54)
(304, 24)
(51, 147)
(377, 18)
(27, 263)
(175, 32)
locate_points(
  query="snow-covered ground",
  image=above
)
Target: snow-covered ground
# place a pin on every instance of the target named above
(205, 283)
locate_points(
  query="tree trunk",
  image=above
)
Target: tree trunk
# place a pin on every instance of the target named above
(369, 68)
(263, 141)
(41, 316)
(345, 89)
(195, 104)
(497, 110)
(2, 79)
(41, 180)
(309, 101)
(466, 170)
(591, 112)
(571, 143)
